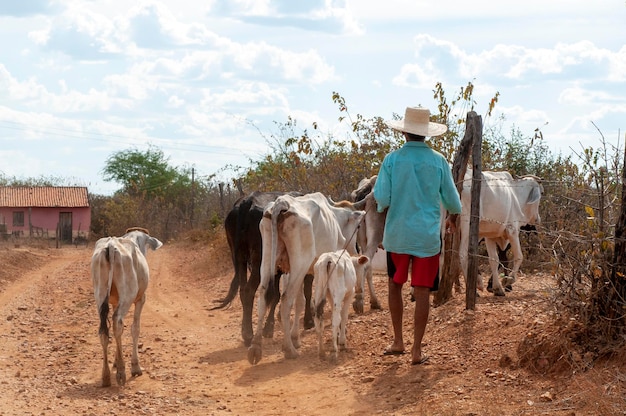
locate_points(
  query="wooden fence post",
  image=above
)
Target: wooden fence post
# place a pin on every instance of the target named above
(614, 299)
(451, 266)
(472, 265)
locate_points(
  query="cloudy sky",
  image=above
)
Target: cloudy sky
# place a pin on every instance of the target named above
(207, 82)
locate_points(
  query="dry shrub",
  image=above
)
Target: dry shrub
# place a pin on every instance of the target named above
(551, 349)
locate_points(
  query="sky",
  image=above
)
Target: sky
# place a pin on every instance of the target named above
(210, 83)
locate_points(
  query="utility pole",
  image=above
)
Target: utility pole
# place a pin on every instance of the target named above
(193, 196)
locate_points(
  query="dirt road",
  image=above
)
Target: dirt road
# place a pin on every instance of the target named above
(195, 364)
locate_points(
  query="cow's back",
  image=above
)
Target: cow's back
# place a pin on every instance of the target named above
(502, 203)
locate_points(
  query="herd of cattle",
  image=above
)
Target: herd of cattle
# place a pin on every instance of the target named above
(283, 243)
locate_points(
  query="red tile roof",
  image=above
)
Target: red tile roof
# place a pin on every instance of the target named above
(44, 196)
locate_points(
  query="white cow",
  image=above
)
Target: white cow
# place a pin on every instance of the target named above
(506, 204)
(369, 238)
(335, 278)
(295, 232)
(120, 275)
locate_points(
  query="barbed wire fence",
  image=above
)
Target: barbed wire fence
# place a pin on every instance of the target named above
(574, 246)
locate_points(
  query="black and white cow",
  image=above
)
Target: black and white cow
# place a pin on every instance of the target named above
(246, 248)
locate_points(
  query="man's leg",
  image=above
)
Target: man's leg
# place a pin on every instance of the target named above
(422, 309)
(396, 308)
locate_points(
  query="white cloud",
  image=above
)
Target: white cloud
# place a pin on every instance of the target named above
(424, 10)
(332, 16)
(516, 63)
(175, 102)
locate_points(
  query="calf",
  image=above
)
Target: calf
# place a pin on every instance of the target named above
(335, 278)
(120, 276)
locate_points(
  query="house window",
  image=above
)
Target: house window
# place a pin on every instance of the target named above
(18, 218)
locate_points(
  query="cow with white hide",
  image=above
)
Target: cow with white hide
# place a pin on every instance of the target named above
(120, 276)
(295, 232)
(506, 204)
(369, 238)
(335, 276)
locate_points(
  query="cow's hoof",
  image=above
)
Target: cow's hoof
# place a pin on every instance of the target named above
(507, 281)
(268, 331)
(254, 354)
(136, 371)
(358, 306)
(121, 378)
(332, 358)
(291, 353)
(498, 292)
(375, 304)
(296, 343)
(308, 324)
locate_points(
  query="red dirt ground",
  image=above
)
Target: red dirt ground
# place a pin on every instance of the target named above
(195, 363)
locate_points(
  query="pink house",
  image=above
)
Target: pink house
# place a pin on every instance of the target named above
(45, 211)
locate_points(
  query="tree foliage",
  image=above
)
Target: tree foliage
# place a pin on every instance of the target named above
(140, 172)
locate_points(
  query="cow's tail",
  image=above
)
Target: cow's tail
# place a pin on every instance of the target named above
(277, 209)
(241, 224)
(322, 277)
(109, 255)
(230, 296)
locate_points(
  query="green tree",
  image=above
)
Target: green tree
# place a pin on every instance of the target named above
(140, 172)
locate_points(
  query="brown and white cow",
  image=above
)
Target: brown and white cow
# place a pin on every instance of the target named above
(506, 204)
(120, 275)
(335, 279)
(295, 232)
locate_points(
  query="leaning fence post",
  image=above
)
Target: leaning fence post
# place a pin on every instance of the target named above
(472, 252)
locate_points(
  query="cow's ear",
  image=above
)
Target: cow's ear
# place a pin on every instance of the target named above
(154, 243)
(357, 215)
(535, 195)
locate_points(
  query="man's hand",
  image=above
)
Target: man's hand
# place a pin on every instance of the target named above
(451, 223)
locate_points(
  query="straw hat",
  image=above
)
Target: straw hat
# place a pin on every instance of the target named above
(417, 121)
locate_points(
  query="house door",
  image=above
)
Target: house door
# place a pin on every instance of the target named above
(65, 225)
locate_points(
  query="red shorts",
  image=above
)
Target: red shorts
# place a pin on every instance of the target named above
(424, 270)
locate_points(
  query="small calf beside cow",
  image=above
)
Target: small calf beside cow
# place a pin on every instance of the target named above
(336, 275)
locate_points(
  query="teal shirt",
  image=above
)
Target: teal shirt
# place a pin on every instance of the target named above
(412, 184)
